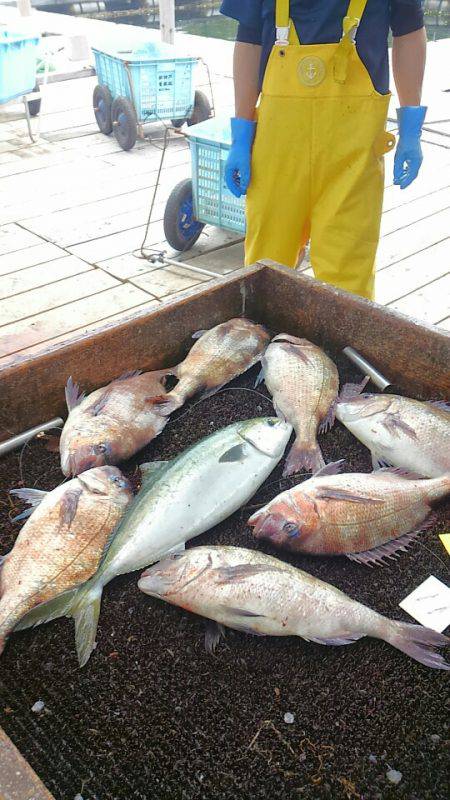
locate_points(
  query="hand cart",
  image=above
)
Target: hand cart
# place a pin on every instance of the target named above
(143, 84)
(18, 57)
(204, 199)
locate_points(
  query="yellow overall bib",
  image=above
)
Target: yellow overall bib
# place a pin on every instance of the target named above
(317, 163)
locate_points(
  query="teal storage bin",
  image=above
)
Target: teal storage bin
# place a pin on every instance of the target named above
(210, 144)
(162, 82)
(18, 56)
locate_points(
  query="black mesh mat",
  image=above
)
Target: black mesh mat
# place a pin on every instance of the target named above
(154, 716)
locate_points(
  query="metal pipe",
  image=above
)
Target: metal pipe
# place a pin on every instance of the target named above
(375, 376)
(174, 263)
(22, 438)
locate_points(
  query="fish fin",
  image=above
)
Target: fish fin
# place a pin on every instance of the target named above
(31, 496)
(165, 404)
(242, 571)
(235, 453)
(330, 493)
(418, 642)
(73, 395)
(444, 405)
(351, 390)
(151, 469)
(242, 612)
(396, 425)
(46, 612)
(69, 505)
(390, 550)
(303, 455)
(402, 473)
(329, 419)
(199, 334)
(260, 378)
(378, 462)
(213, 634)
(131, 373)
(100, 403)
(337, 640)
(86, 613)
(333, 468)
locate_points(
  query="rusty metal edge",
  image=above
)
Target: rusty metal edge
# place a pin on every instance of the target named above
(18, 781)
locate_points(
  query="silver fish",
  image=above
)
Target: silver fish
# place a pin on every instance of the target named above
(398, 430)
(255, 593)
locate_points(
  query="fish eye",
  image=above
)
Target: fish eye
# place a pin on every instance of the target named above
(99, 449)
(291, 529)
(272, 423)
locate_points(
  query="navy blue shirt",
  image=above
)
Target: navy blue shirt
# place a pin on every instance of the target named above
(320, 22)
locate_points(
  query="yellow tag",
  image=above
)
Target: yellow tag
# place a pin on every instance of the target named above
(445, 539)
(311, 71)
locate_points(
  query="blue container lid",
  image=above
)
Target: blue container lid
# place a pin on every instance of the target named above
(15, 37)
(216, 130)
(142, 51)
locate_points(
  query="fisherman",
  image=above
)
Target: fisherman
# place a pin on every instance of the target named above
(309, 155)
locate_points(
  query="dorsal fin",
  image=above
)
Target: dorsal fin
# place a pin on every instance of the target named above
(73, 395)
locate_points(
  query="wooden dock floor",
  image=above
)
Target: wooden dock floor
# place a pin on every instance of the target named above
(74, 209)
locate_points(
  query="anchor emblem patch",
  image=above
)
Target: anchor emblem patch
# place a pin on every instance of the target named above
(311, 71)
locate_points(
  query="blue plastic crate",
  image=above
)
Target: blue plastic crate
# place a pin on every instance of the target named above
(210, 143)
(163, 85)
(18, 56)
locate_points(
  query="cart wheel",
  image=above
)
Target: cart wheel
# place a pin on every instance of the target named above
(202, 109)
(200, 112)
(181, 229)
(124, 122)
(34, 106)
(102, 102)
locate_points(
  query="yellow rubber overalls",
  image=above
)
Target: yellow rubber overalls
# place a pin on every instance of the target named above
(317, 163)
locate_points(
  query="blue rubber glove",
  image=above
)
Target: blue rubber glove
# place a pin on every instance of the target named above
(408, 155)
(237, 168)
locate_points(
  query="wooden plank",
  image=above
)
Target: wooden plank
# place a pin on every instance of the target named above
(60, 293)
(437, 179)
(222, 261)
(21, 259)
(17, 780)
(41, 275)
(421, 208)
(430, 303)
(413, 238)
(73, 336)
(126, 266)
(13, 237)
(412, 273)
(66, 319)
(168, 280)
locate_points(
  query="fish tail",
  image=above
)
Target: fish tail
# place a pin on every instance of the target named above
(303, 455)
(46, 612)
(418, 642)
(85, 613)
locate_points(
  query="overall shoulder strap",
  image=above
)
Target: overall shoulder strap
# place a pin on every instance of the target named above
(350, 25)
(282, 22)
(352, 19)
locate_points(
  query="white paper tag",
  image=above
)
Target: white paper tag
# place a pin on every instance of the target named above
(429, 604)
